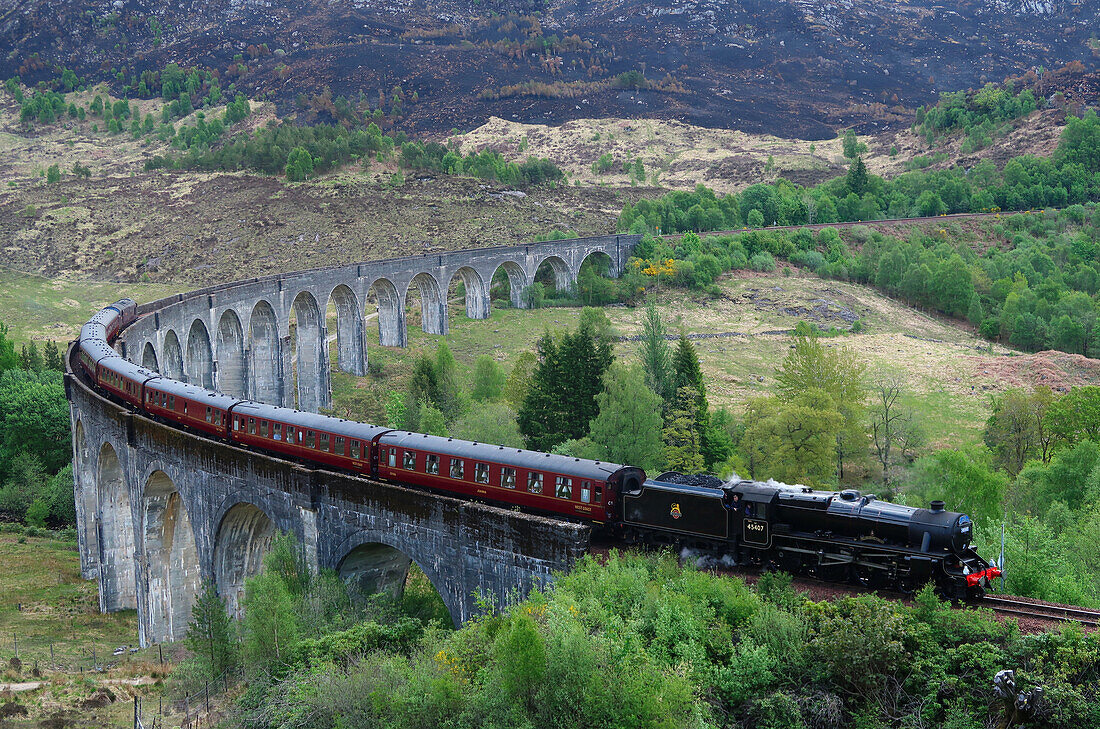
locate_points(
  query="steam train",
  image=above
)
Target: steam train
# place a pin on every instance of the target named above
(842, 536)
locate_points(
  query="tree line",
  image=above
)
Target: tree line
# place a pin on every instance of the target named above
(1068, 177)
(1033, 290)
(36, 476)
(979, 115)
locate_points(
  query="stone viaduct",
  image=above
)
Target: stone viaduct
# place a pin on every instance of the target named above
(160, 511)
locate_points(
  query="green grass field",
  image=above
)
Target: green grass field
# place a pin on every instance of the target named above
(45, 602)
(42, 309)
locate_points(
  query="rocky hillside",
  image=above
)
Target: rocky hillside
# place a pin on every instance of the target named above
(790, 67)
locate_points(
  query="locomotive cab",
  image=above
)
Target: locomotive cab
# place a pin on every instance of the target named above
(750, 511)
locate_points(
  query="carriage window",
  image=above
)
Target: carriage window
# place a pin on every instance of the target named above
(340, 445)
(481, 472)
(409, 460)
(209, 414)
(586, 492)
(278, 431)
(237, 424)
(311, 439)
(355, 449)
(456, 467)
(432, 464)
(171, 402)
(148, 397)
(263, 428)
(324, 441)
(392, 460)
(252, 426)
(508, 478)
(290, 434)
(563, 487)
(185, 407)
(599, 494)
(534, 482)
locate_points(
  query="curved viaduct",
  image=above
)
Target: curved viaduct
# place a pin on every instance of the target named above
(160, 510)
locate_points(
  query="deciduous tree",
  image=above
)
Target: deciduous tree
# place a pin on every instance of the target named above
(628, 427)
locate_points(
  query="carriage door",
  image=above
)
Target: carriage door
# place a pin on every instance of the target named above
(756, 531)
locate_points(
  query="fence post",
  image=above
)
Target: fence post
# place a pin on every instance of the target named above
(207, 691)
(15, 638)
(137, 722)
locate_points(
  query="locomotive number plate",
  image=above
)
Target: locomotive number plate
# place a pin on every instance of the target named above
(756, 532)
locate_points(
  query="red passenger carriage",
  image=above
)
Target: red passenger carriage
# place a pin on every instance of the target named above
(573, 487)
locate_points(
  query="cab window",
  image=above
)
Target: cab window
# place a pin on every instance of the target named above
(481, 472)
(409, 460)
(534, 482)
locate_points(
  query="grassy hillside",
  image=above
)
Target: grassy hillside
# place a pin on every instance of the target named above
(679, 156)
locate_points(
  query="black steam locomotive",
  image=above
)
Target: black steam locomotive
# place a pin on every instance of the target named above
(836, 536)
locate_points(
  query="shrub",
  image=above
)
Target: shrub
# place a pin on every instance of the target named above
(762, 261)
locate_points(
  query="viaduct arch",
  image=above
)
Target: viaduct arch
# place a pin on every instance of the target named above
(162, 511)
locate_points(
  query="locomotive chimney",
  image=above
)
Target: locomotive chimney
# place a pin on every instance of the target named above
(936, 505)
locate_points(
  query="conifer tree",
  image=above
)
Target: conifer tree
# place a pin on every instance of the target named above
(682, 452)
(656, 358)
(209, 634)
(561, 399)
(687, 373)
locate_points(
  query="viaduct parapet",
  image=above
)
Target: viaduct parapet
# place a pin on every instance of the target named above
(266, 339)
(160, 511)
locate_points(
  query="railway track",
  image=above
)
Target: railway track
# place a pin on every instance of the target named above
(1042, 611)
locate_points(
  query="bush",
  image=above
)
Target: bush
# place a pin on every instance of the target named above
(762, 261)
(812, 260)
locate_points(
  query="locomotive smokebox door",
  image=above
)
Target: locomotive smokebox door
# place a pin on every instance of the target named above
(756, 533)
